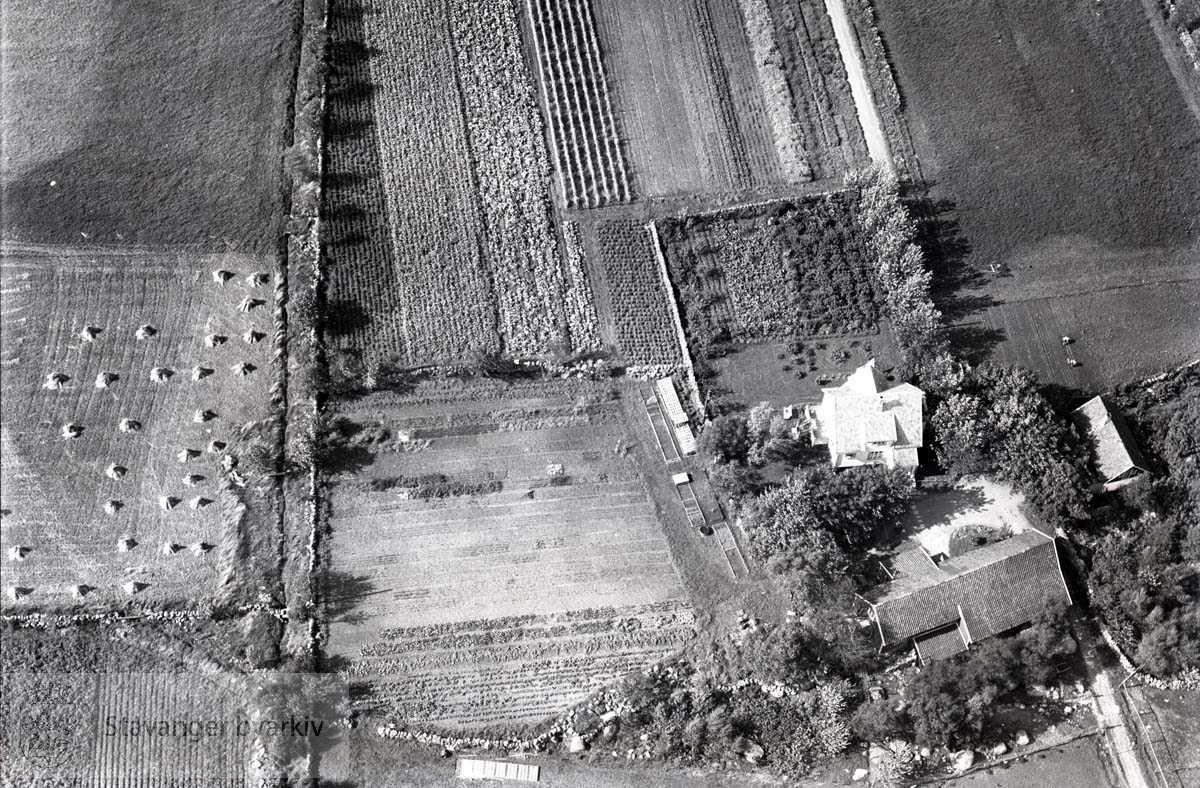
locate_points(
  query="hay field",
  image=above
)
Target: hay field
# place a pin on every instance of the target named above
(57, 491)
(498, 608)
(142, 153)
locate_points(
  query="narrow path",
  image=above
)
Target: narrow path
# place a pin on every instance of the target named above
(860, 88)
(1111, 718)
(1110, 715)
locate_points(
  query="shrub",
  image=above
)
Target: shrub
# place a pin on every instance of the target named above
(726, 438)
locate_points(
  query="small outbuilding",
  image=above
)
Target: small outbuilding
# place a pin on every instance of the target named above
(1115, 454)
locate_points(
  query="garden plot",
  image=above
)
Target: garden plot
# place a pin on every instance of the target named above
(540, 573)
(638, 305)
(777, 299)
(125, 377)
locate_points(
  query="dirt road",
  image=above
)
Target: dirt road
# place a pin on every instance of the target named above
(864, 99)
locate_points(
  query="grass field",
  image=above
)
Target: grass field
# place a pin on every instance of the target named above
(497, 608)
(55, 490)
(1060, 152)
(160, 126)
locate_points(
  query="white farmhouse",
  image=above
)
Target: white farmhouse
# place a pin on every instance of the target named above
(863, 422)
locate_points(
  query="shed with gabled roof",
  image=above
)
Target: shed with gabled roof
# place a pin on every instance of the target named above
(1115, 454)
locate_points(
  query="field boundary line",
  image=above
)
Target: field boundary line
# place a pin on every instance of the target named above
(860, 87)
(676, 319)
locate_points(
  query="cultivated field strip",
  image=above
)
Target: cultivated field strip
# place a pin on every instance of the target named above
(522, 669)
(637, 297)
(499, 104)
(358, 245)
(75, 482)
(443, 244)
(444, 284)
(507, 606)
(587, 144)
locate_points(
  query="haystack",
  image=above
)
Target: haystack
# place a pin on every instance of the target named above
(134, 587)
(200, 373)
(125, 544)
(18, 553)
(129, 425)
(72, 430)
(249, 303)
(89, 333)
(18, 592)
(252, 336)
(199, 502)
(200, 548)
(55, 380)
(115, 471)
(202, 416)
(80, 591)
(243, 369)
(216, 447)
(145, 331)
(170, 548)
(192, 479)
(168, 502)
(187, 454)
(258, 279)
(106, 379)
(221, 276)
(113, 506)
(161, 374)
(212, 340)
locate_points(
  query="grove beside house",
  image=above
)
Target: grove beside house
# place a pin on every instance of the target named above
(864, 422)
(1116, 456)
(942, 608)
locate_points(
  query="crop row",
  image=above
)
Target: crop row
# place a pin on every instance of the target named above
(641, 310)
(590, 161)
(582, 321)
(512, 170)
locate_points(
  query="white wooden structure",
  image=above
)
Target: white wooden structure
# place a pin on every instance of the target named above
(670, 401)
(685, 438)
(473, 769)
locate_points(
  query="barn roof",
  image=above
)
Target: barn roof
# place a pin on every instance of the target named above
(1113, 446)
(991, 589)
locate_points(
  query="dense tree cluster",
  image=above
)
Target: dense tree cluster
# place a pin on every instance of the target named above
(819, 516)
(948, 703)
(902, 279)
(997, 423)
(1145, 560)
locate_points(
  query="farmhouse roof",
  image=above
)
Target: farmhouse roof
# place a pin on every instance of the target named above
(1113, 446)
(864, 411)
(987, 591)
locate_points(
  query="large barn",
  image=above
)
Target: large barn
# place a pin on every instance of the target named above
(942, 608)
